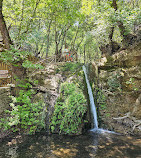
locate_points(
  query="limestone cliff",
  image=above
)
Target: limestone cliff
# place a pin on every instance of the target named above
(118, 78)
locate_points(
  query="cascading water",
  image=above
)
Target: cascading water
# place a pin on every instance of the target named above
(92, 104)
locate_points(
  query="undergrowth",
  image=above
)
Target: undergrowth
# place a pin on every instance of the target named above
(69, 110)
(24, 115)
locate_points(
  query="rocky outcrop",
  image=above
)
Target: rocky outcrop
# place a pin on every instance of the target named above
(49, 83)
(119, 77)
(48, 88)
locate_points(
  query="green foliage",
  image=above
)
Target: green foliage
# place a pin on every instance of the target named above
(24, 114)
(101, 99)
(108, 114)
(13, 55)
(131, 82)
(104, 16)
(69, 109)
(71, 67)
(37, 22)
(114, 82)
(29, 64)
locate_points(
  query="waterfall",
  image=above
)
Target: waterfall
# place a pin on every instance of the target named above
(92, 104)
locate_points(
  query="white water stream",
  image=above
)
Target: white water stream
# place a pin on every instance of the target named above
(93, 108)
(92, 104)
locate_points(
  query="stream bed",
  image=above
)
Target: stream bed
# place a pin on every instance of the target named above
(90, 145)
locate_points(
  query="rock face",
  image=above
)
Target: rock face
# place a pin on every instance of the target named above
(119, 78)
(49, 83)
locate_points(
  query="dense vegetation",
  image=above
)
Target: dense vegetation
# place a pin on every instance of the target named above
(25, 115)
(43, 28)
(69, 110)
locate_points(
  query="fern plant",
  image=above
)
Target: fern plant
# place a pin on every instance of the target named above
(69, 110)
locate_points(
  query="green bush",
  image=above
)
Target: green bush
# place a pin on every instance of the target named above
(131, 83)
(101, 99)
(114, 82)
(69, 110)
(15, 56)
(24, 114)
(72, 67)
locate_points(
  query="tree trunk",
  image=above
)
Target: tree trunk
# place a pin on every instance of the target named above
(22, 17)
(48, 37)
(73, 41)
(4, 31)
(114, 5)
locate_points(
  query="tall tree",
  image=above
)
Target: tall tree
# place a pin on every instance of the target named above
(4, 31)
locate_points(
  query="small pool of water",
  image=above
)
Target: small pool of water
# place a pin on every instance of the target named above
(91, 145)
